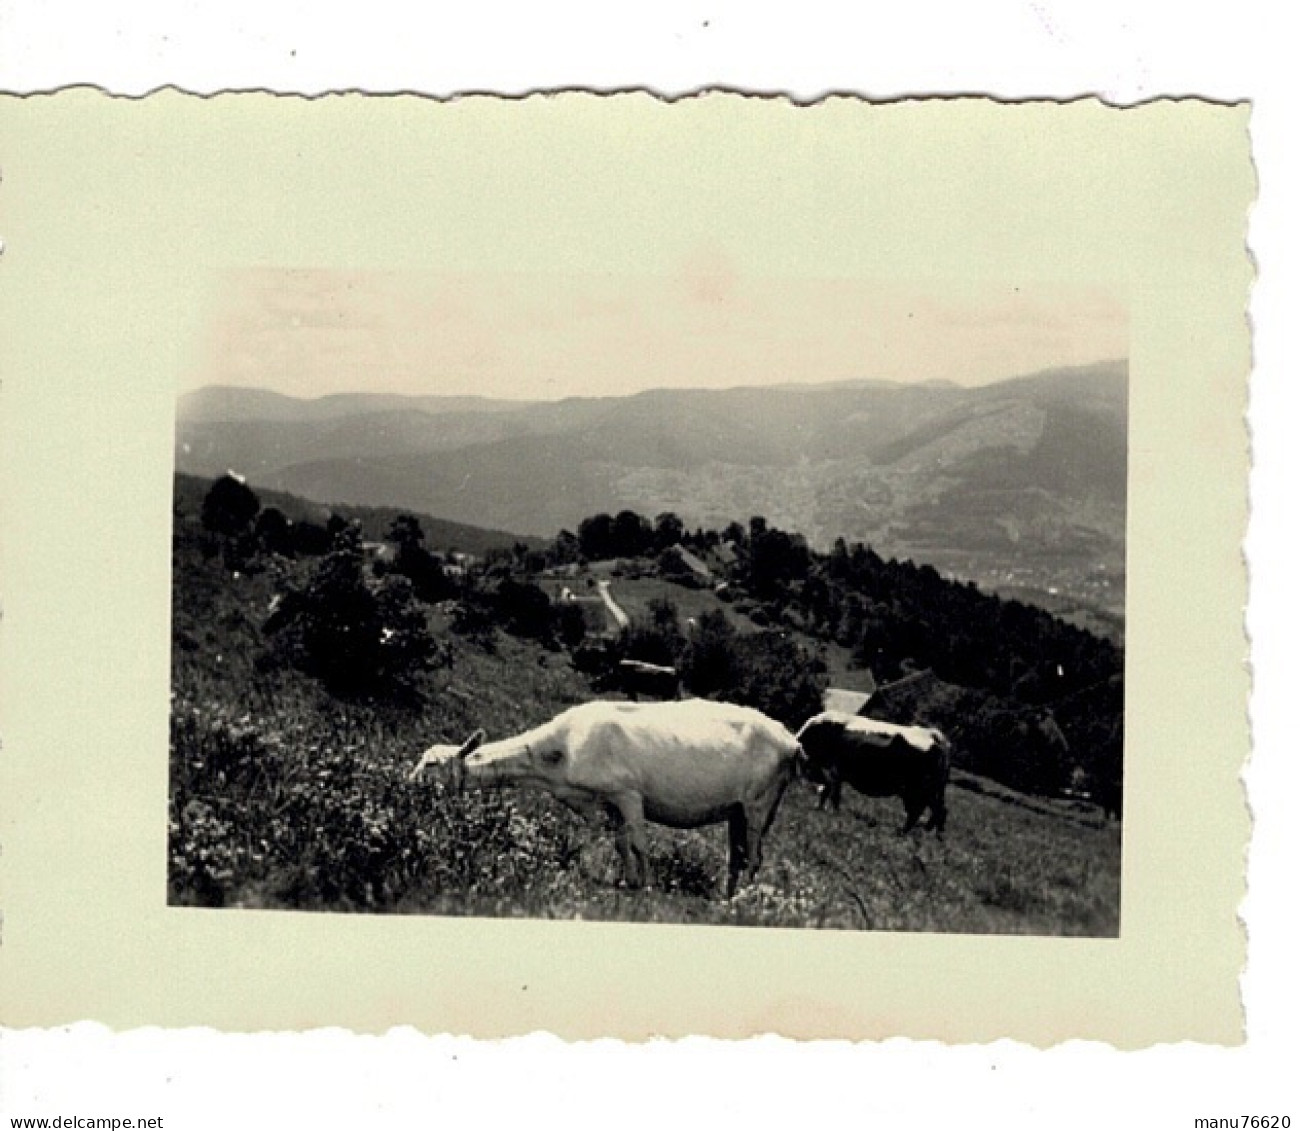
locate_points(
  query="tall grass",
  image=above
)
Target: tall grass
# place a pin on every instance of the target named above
(300, 802)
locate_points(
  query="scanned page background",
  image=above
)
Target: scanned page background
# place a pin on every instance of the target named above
(116, 216)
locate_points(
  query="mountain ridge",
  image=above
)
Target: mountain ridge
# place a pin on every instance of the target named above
(1018, 483)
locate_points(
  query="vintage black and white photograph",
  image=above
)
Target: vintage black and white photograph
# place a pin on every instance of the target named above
(337, 427)
(704, 579)
(618, 566)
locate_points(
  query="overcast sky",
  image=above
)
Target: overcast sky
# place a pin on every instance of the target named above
(314, 332)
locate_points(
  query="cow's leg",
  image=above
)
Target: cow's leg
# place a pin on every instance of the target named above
(915, 807)
(755, 825)
(831, 794)
(591, 813)
(759, 816)
(738, 847)
(938, 815)
(621, 843)
(630, 837)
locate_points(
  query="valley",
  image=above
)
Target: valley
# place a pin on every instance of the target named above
(1019, 486)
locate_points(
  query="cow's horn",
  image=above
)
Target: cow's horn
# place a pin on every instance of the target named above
(472, 743)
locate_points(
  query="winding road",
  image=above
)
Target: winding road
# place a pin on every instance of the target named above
(620, 617)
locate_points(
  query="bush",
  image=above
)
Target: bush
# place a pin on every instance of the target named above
(570, 624)
(524, 609)
(594, 658)
(656, 639)
(356, 640)
(710, 665)
(472, 619)
(780, 678)
(416, 563)
(309, 539)
(768, 671)
(229, 507)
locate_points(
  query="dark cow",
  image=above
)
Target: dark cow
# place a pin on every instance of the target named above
(881, 760)
(655, 681)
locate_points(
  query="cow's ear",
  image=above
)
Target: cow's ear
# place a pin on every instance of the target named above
(472, 743)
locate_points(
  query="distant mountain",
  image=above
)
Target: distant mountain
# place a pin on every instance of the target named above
(1018, 485)
(233, 403)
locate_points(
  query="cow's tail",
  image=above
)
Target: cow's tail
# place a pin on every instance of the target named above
(799, 762)
(939, 801)
(802, 762)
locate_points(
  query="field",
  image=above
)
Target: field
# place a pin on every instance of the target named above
(635, 595)
(286, 797)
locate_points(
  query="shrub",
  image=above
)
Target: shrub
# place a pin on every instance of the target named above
(710, 665)
(416, 563)
(229, 507)
(768, 670)
(780, 678)
(471, 618)
(356, 640)
(656, 639)
(570, 624)
(524, 609)
(274, 534)
(309, 539)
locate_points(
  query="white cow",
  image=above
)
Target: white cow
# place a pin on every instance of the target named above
(683, 764)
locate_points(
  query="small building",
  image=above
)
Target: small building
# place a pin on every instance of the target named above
(691, 562)
(843, 700)
(919, 697)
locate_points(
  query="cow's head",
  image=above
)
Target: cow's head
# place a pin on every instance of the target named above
(818, 739)
(538, 757)
(449, 758)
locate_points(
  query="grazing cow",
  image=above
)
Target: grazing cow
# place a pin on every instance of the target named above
(881, 760)
(655, 681)
(683, 764)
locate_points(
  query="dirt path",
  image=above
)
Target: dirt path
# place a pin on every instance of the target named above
(620, 617)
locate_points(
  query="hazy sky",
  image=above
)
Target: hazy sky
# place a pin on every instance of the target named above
(313, 332)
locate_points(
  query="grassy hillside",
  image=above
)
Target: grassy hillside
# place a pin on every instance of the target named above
(260, 448)
(440, 534)
(284, 796)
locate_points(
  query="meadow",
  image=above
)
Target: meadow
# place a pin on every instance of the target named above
(285, 796)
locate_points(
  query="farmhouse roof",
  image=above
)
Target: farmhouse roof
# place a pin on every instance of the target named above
(726, 552)
(694, 564)
(918, 697)
(844, 700)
